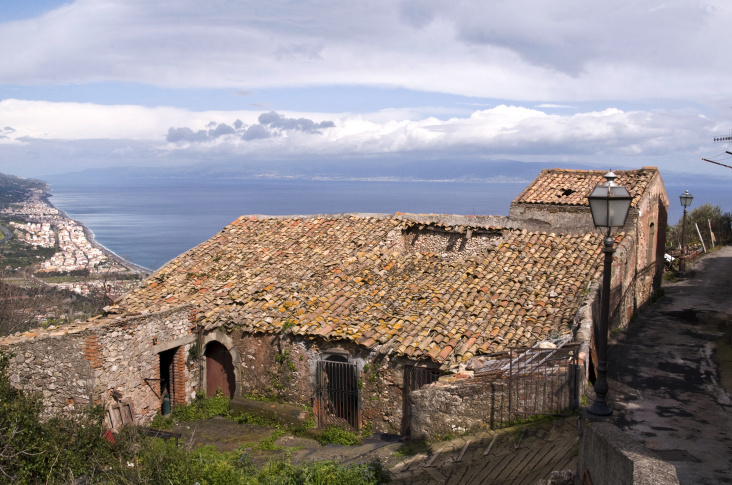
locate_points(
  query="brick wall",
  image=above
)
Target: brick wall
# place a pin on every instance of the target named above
(180, 378)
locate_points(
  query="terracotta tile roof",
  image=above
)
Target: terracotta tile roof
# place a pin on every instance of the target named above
(360, 278)
(571, 187)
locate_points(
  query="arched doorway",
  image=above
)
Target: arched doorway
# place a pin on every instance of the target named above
(219, 370)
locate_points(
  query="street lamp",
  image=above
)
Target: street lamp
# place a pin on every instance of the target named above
(609, 205)
(686, 199)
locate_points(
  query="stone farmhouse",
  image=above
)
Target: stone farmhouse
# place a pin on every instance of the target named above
(395, 321)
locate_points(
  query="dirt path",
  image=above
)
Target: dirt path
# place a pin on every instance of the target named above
(664, 384)
(519, 455)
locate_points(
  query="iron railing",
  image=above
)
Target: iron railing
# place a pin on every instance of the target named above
(526, 382)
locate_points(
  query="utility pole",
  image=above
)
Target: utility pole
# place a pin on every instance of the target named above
(722, 139)
(717, 163)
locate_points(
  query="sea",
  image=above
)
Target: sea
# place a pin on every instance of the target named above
(149, 224)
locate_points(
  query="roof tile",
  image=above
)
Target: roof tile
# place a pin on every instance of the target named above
(355, 278)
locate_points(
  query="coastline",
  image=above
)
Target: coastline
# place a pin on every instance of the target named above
(89, 234)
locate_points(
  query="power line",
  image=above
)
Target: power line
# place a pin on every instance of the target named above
(712, 161)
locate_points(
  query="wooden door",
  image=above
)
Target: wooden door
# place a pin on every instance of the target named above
(219, 370)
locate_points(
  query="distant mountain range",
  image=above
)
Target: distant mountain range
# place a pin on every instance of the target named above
(411, 169)
(363, 169)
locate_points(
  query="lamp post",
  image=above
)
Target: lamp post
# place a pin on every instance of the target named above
(609, 205)
(686, 199)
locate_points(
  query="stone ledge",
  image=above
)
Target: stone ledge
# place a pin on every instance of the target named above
(612, 457)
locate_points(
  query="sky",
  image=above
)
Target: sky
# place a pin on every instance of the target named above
(108, 83)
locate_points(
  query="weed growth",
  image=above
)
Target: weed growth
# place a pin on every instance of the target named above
(338, 436)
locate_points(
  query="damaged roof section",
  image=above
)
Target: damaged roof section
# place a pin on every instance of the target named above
(571, 187)
(398, 284)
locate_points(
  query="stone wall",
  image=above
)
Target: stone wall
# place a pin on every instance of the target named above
(55, 368)
(285, 367)
(461, 403)
(105, 363)
(455, 408)
(274, 365)
(553, 218)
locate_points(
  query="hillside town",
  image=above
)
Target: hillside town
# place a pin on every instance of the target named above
(78, 263)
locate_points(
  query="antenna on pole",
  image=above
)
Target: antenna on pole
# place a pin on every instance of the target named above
(722, 139)
(712, 161)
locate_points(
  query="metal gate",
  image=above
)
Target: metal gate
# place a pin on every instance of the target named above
(414, 378)
(529, 381)
(338, 400)
(542, 381)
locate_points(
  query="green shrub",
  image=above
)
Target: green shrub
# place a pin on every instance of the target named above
(63, 449)
(162, 422)
(338, 436)
(322, 472)
(203, 408)
(55, 451)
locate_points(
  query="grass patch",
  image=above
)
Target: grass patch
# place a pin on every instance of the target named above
(256, 420)
(268, 444)
(338, 436)
(412, 447)
(202, 408)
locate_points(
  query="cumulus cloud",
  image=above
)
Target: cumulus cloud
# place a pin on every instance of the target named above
(274, 120)
(255, 132)
(504, 130)
(500, 131)
(185, 134)
(269, 125)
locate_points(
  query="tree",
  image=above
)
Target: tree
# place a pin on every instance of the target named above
(704, 215)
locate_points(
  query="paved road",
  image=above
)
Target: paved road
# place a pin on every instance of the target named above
(664, 385)
(6, 234)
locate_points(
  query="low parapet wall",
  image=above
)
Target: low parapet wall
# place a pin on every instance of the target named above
(608, 456)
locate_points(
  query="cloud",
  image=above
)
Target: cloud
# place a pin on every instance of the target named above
(255, 132)
(269, 125)
(552, 105)
(221, 130)
(519, 50)
(501, 131)
(185, 134)
(276, 121)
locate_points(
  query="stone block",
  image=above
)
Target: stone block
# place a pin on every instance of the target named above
(612, 457)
